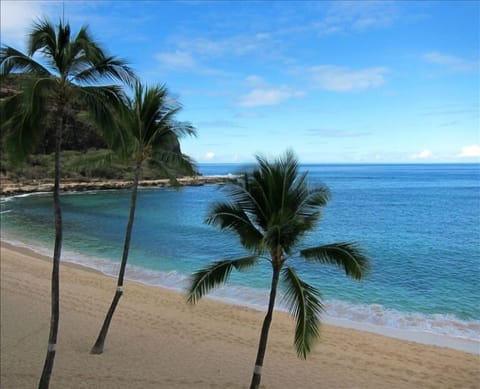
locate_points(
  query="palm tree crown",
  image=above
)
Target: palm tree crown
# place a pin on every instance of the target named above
(61, 69)
(148, 127)
(271, 209)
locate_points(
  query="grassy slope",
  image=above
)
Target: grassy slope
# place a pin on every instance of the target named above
(76, 165)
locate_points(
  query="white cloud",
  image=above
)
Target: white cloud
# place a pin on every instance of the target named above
(264, 94)
(177, 59)
(17, 18)
(424, 154)
(218, 124)
(183, 60)
(452, 62)
(255, 81)
(340, 79)
(233, 45)
(267, 96)
(334, 133)
(209, 155)
(357, 16)
(472, 151)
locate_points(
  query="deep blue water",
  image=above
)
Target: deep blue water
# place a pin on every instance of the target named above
(420, 224)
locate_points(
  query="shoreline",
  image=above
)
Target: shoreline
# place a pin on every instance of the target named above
(10, 188)
(425, 337)
(158, 341)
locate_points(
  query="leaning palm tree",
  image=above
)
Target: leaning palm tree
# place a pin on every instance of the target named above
(149, 129)
(59, 69)
(270, 209)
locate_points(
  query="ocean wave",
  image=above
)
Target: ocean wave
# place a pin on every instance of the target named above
(378, 315)
(439, 329)
(6, 199)
(374, 314)
(374, 317)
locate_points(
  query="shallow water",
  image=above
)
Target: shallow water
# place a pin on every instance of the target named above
(420, 224)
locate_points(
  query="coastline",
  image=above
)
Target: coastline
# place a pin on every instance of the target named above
(158, 341)
(138, 275)
(12, 188)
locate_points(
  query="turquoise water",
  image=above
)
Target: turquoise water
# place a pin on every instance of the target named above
(420, 224)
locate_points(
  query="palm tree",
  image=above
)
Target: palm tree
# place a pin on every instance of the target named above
(149, 129)
(271, 209)
(68, 68)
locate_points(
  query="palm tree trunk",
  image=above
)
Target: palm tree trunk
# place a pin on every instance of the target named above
(262, 346)
(99, 344)
(55, 282)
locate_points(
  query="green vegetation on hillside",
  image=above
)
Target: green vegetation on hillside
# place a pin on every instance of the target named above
(79, 166)
(85, 155)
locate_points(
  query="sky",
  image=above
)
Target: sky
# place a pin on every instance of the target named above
(337, 82)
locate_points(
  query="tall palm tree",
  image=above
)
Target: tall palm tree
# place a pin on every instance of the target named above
(60, 69)
(270, 210)
(149, 129)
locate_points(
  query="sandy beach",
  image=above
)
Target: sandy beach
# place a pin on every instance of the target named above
(158, 341)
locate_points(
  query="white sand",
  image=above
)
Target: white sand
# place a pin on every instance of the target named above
(156, 340)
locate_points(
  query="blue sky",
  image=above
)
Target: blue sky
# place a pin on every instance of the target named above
(338, 82)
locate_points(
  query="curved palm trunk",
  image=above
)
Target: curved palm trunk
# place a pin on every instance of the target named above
(99, 344)
(262, 346)
(55, 282)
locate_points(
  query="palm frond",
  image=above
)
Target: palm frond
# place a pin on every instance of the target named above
(228, 216)
(162, 129)
(346, 255)
(277, 201)
(308, 201)
(305, 205)
(12, 60)
(147, 124)
(12, 118)
(244, 194)
(304, 302)
(169, 162)
(43, 37)
(83, 45)
(103, 103)
(84, 53)
(23, 117)
(257, 183)
(277, 178)
(182, 128)
(214, 275)
(107, 69)
(101, 158)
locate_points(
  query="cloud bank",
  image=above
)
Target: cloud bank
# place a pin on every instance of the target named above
(424, 154)
(472, 151)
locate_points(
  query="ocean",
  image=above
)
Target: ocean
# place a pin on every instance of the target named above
(419, 223)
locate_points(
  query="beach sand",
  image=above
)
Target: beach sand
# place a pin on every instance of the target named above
(156, 340)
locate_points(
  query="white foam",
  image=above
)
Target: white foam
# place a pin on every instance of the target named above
(469, 345)
(439, 329)
(444, 330)
(9, 198)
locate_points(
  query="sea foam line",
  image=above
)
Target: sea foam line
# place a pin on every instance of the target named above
(439, 329)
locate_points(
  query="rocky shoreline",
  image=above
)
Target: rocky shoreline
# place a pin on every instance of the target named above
(11, 188)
